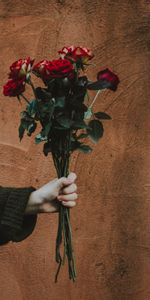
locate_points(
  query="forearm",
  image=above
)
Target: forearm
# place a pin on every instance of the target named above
(13, 222)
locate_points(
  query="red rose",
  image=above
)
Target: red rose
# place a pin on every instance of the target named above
(76, 53)
(54, 69)
(21, 69)
(110, 77)
(14, 88)
(40, 69)
(66, 51)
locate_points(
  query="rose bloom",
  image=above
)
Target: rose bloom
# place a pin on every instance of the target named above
(40, 69)
(76, 53)
(21, 69)
(110, 77)
(14, 88)
(54, 69)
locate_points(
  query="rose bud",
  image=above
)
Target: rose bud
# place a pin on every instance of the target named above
(84, 54)
(21, 69)
(66, 51)
(108, 76)
(14, 88)
(40, 69)
(76, 53)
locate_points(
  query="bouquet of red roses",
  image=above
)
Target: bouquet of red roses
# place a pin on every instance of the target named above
(64, 110)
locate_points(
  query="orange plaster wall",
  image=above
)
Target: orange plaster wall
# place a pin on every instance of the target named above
(111, 221)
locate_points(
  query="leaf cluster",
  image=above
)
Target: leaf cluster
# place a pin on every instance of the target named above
(60, 108)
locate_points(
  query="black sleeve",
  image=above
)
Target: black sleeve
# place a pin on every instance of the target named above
(14, 225)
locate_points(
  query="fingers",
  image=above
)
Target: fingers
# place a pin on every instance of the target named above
(69, 189)
(72, 177)
(69, 197)
(69, 204)
(68, 200)
(63, 181)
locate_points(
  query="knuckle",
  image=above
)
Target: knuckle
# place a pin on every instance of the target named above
(64, 191)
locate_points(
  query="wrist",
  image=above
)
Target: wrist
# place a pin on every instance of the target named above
(33, 204)
(36, 204)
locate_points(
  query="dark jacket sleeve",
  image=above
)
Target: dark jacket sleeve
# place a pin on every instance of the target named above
(14, 224)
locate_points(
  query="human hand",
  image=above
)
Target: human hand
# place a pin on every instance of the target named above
(47, 198)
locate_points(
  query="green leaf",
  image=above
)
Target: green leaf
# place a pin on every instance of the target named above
(21, 131)
(31, 128)
(46, 129)
(88, 114)
(46, 107)
(75, 145)
(82, 136)
(99, 85)
(25, 123)
(96, 130)
(60, 102)
(26, 118)
(23, 114)
(32, 108)
(102, 116)
(80, 124)
(39, 138)
(85, 149)
(28, 123)
(47, 148)
(65, 122)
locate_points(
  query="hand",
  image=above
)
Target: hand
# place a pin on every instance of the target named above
(48, 198)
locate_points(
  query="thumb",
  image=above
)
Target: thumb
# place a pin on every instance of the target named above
(64, 181)
(72, 177)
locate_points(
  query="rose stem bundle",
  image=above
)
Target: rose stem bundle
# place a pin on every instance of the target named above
(61, 155)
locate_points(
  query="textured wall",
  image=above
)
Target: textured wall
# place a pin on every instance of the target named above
(111, 222)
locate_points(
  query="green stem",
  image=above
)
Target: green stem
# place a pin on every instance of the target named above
(27, 101)
(33, 88)
(94, 98)
(65, 242)
(70, 234)
(34, 91)
(61, 153)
